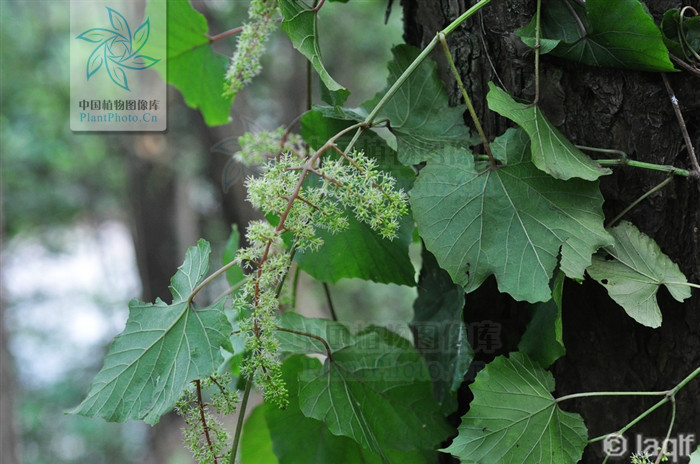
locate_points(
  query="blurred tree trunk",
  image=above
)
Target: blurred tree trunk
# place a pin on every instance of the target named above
(607, 108)
(9, 438)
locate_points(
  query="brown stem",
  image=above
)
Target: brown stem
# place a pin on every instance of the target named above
(225, 34)
(571, 9)
(684, 129)
(318, 7)
(204, 419)
(331, 308)
(684, 65)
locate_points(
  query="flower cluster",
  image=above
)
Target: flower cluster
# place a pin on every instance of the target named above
(245, 63)
(257, 149)
(357, 184)
(269, 261)
(205, 435)
(305, 194)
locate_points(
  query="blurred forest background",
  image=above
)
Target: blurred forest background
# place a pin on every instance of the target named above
(90, 221)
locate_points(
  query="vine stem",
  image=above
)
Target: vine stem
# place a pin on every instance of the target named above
(412, 67)
(681, 123)
(467, 100)
(209, 279)
(669, 395)
(668, 434)
(610, 393)
(223, 35)
(658, 187)
(239, 422)
(640, 164)
(331, 308)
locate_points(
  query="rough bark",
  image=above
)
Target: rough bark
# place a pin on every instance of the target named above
(620, 109)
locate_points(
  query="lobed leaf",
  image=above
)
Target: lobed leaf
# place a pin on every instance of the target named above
(514, 418)
(632, 270)
(162, 349)
(375, 390)
(420, 114)
(422, 121)
(289, 428)
(551, 151)
(511, 221)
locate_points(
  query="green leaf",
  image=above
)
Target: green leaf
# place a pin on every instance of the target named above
(551, 151)
(256, 443)
(511, 221)
(300, 26)
(162, 349)
(543, 341)
(695, 457)
(334, 333)
(439, 332)
(420, 114)
(358, 251)
(376, 391)
(514, 418)
(193, 66)
(298, 439)
(235, 274)
(618, 34)
(422, 121)
(633, 269)
(683, 40)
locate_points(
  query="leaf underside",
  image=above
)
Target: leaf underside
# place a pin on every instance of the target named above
(162, 349)
(289, 429)
(513, 221)
(551, 151)
(514, 418)
(421, 119)
(375, 390)
(633, 269)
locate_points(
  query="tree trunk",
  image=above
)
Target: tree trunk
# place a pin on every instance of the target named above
(607, 108)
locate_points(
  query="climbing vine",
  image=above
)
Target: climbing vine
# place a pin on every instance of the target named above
(524, 206)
